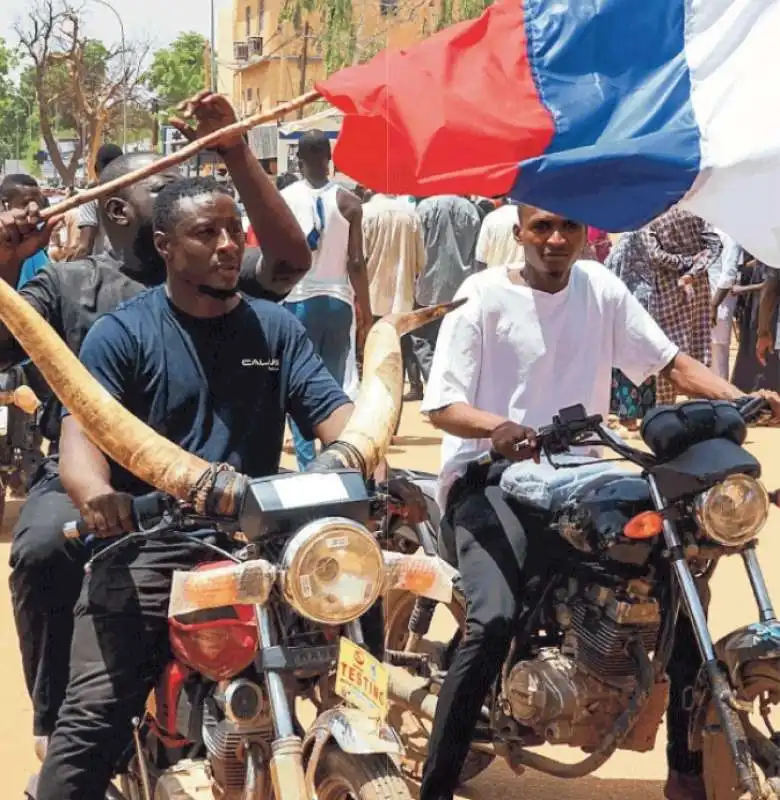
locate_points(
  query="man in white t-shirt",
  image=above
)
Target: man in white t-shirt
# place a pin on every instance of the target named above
(92, 237)
(527, 343)
(496, 243)
(331, 217)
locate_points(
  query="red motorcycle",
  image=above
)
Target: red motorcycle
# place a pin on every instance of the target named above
(272, 622)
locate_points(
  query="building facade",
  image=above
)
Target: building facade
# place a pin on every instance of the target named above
(274, 61)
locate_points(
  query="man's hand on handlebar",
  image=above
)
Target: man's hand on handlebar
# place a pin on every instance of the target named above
(515, 442)
(108, 514)
(773, 400)
(403, 499)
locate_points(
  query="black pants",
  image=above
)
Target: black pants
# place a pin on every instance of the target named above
(424, 343)
(46, 577)
(120, 648)
(491, 567)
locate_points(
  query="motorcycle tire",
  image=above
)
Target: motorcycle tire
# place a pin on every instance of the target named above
(398, 607)
(344, 776)
(720, 776)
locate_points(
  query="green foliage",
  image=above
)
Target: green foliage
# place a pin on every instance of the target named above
(58, 83)
(18, 126)
(339, 38)
(452, 11)
(177, 71)
(470, 9)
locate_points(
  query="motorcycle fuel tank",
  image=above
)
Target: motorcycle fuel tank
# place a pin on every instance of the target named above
(593, 518)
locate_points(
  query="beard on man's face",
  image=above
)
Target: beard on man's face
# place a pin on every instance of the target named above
(217, 294)
(151, 266)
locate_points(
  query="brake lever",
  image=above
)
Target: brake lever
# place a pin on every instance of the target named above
(119, 542)
(753, 409)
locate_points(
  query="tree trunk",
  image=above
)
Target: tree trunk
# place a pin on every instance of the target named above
(96, 128)
(66, 171)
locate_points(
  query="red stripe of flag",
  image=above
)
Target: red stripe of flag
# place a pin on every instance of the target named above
(454, 114)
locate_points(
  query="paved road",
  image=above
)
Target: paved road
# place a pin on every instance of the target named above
(626, 777)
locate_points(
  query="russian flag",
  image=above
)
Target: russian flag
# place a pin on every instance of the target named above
(607, 111)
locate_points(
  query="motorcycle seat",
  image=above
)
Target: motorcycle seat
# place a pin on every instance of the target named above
(546, 488)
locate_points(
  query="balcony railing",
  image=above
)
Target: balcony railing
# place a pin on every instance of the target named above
(240, 51)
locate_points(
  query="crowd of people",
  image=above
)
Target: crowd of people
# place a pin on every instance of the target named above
(695, 281)
(219, 344)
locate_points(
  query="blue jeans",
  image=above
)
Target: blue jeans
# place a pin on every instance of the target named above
(328, 322)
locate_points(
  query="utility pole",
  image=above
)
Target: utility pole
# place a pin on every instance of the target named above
(155, 125)
(208, 72)
(304, 60)
(213, 82)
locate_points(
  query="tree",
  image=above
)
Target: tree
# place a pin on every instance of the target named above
(177, 71)
(78, 82)
(18, 116)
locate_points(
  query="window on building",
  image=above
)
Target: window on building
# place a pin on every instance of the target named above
(260, 16)
(388, 8)
(248, 21)
(249, 95)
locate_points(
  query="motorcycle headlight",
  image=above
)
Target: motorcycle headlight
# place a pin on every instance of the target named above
(733, 512)
(333, 571)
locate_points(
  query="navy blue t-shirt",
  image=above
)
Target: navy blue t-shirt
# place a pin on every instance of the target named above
(219, 388)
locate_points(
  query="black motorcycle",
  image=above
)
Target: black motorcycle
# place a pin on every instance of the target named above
(618, 555)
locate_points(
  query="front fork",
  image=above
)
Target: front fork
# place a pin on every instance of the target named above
(720, 687)
(287, 773)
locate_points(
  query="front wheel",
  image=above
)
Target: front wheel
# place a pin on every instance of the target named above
(345, 776)
(761, 681)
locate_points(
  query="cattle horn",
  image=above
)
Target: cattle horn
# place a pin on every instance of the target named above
(166, 466)
(118, 433)
(369, 432)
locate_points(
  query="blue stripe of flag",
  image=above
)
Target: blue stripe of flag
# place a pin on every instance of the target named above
(613, 74)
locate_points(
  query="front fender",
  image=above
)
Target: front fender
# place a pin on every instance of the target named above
(742, 652)
(354, 732)
(757, 642)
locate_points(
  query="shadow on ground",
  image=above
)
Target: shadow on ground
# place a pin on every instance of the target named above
(498, 782)
(416, 441)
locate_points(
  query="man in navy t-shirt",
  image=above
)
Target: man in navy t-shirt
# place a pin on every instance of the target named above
(215, 373)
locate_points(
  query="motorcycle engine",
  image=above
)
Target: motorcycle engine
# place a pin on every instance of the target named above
(186, 780)
(240, 711)
(573, 694)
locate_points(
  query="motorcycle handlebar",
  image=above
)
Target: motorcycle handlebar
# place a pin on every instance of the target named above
(558, 437)
(752, 407)
(148, 511)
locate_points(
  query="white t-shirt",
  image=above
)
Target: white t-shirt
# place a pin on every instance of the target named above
(524, 354)
(496, 243)
(318, 210)
(89, 218)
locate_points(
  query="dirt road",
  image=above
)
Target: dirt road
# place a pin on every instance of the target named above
(625, 777)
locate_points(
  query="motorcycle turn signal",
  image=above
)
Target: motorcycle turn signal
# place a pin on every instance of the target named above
(644, 526)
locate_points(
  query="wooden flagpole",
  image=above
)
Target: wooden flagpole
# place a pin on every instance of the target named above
(179, 157)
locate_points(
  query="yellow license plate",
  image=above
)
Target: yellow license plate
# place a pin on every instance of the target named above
(362, 680)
